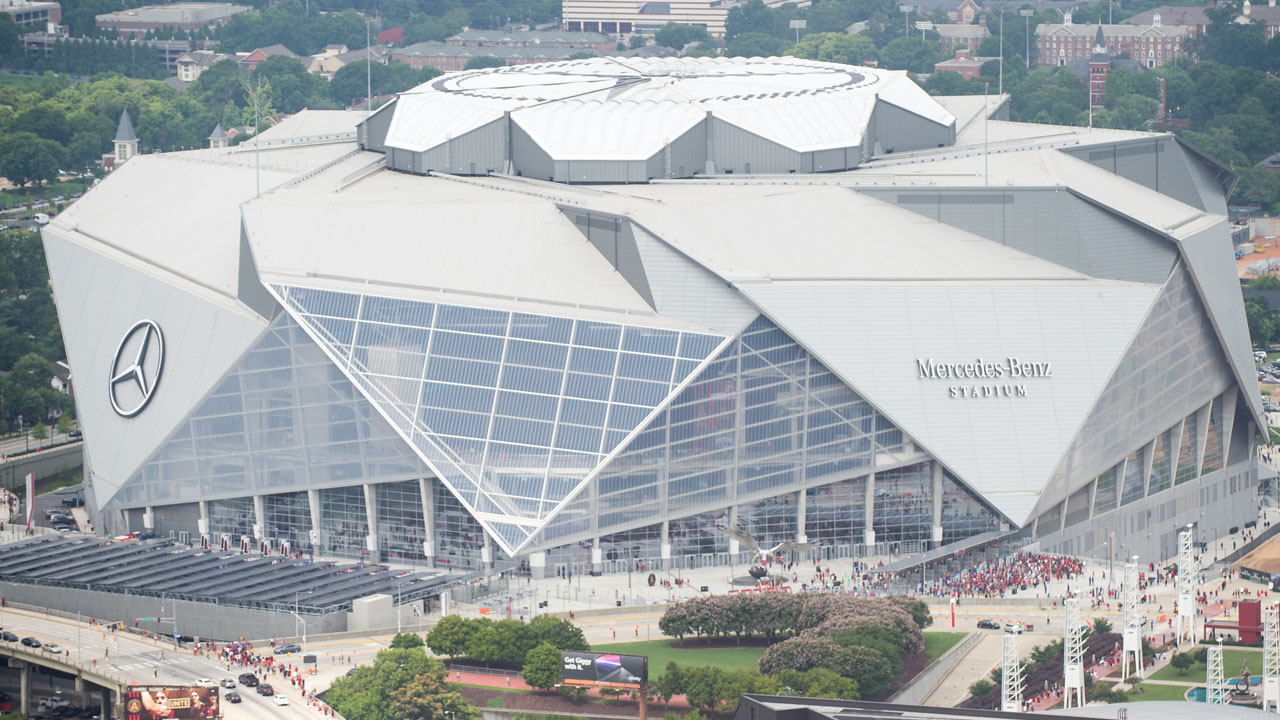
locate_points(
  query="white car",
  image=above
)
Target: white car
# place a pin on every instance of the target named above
(228, 683)
(53, 647)
(206, 682)
(1013, 628)
(279, 699)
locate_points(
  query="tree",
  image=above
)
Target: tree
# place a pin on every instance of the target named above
(755, 44)
(406, 641)
(26, 158)
(1261, 325)
(558, 632)
(1101, 625)
(980, 688)
(481, 62)
(450, 636)
(486, 642)
(1181, 662)
(542, 667)
(835, 47)
(369, 693)
(677, 35)
(671, 683)
(429, 697)
(750, 17)
(39, 432)
(910, 53)
(292, 87)
(64, 423)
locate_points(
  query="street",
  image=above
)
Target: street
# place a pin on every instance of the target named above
(148, 662)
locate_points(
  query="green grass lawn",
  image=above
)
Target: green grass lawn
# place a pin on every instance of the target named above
(1151, 691)
(660, 653)
(1231, 660)
(491, 687)
(23, 83)
(936, 643)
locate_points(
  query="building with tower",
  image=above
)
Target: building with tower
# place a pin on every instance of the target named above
(582, 315)
(125, 144)
(218, 139)
(1151, 45)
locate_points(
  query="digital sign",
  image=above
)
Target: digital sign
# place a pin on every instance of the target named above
(162, 703)
(604, 669)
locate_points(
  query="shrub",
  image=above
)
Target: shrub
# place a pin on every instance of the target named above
(981, 687)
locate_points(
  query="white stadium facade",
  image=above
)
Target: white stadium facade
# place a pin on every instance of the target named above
(591, 313)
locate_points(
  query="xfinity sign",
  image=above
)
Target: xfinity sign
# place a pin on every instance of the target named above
(983, 373)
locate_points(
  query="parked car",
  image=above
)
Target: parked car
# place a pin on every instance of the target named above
(1014, 628)
(988, 625)
(232, 697)
(288, 648)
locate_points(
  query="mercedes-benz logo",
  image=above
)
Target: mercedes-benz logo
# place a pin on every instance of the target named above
(135, 373)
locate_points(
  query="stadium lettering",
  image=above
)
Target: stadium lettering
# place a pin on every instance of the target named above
(980, 369)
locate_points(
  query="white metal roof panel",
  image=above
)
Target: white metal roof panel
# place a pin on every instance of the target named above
(596, 130)
(805, 124)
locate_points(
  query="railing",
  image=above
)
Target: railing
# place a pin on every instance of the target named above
(454, 667)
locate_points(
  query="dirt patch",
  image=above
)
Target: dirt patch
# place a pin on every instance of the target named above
(1266, 558)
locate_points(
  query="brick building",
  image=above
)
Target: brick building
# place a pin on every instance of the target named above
(135, 22)
(953, 36)
(598, 42)
(1150, 45)
(32, 14)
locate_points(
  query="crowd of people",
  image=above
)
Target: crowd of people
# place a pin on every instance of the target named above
(1009, 575)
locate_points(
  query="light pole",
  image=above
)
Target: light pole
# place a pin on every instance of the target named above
(398, 607)
(298, 618)
(1001, 88)
(906, 13)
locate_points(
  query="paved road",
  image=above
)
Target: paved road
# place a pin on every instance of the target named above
(140, 659)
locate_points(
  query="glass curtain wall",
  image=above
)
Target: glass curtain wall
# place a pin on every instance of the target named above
(401, 529)
(288, 517)
(762, 419)
(233, 517)
(513, 409)
(343, 524)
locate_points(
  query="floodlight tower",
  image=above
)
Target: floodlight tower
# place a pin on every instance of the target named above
(1186, 584)
(1271, 658)
(1010, 676)
(1215, 686)
(1132, 638)
(1073, 656)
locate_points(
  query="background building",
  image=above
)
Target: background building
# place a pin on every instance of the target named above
(1151, 45)
(38, 15)
(135, 22)
(624, 17)
(585, 314)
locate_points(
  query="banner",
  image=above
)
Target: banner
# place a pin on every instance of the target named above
(31, 500)
(154, 703)
(604, 670)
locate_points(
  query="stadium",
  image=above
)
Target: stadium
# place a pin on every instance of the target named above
(589, 315)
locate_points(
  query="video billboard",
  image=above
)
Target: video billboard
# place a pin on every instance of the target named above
(162, 703)
(604, 670)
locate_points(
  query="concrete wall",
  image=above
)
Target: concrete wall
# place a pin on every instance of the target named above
(43, 463)
(202, 620)
(923, 685)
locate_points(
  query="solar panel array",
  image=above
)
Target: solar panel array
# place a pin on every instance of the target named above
(162, 567)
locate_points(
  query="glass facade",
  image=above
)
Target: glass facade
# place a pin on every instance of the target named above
(1104, 495)
(701, 534)
(513, 410)
(763, 419)
(1213, 456)
(963, 515)
(1078, 506)
(458, 536)
(401, 528)
(343, 524)
(770, 521)
(836, 514)
(1186, 468)
(233, 516)
(904, 504)
(1162, 463)
(283, 418)
(1174, 363)
(1134, 483)
(288, 517)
